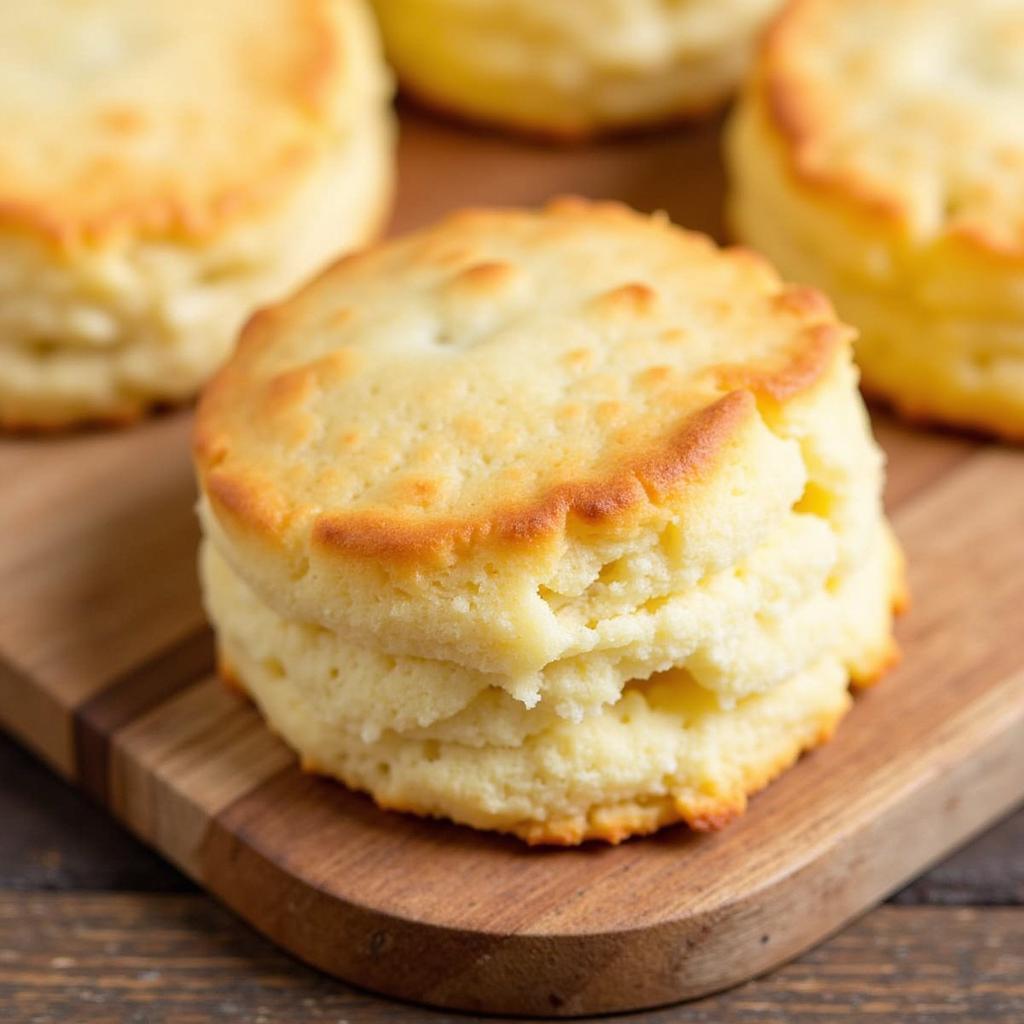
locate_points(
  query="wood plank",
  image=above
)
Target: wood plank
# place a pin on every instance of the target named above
(988, 872)
(56, 838)
(97, 558)
(177, 767)
(93, 958)
(442, 166)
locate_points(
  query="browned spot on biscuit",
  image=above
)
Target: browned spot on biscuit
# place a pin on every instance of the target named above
(421, 491)
(686, 456)
(122, 120)
(578, 206)
(484, 278)
(608, 412)
(803, 301)
(244, 503)
(810, 357)
(471, 428)
(692, 451)
(654, 377)
(336, 366)
(634, 298)
(578, 358)
(674, 336)
(287, 389)
(887, 660)
(712, 821)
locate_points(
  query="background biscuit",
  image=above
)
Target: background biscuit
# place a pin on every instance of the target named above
(164, 169)
(575, 67)
(878, 153)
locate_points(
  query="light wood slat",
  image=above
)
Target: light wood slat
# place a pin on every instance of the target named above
(97, 554)
(33, 715)
(174, 769)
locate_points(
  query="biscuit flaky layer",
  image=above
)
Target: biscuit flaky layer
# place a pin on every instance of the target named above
(517, 437)
(878, 153)
(570, 70)
(666, 749)
(165, 169)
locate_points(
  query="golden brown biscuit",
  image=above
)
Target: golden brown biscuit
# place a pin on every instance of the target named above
(468, 489)
(165, 168)
(878, 153)
(573, 68)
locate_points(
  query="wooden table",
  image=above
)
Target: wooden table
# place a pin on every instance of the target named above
(96, 928)
(93, 927)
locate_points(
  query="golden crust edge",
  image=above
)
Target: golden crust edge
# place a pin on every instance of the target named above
(780, 100)
(261, 511)
(36, 219)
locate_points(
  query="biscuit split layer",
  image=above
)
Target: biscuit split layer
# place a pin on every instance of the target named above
(878, 153)
(165, 170)
(471, 491)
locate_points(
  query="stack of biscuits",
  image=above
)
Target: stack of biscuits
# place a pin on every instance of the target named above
(564, 523)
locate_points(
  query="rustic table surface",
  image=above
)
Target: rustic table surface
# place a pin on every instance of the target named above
(96, 928)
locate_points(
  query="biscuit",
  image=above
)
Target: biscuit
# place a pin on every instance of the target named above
(878, 153)
(165, 169)
(571, 69)
(472, 488)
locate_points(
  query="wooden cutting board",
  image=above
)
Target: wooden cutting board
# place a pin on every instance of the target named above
(105, 670)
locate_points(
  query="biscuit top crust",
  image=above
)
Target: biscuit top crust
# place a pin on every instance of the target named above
(498, 375)
(162, 118)
(912, 109)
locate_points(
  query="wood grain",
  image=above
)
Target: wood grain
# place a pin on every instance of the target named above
(177, 959)
(97, 552)
(103, 669)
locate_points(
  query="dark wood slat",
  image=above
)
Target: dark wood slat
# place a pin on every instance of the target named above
(131, 696)
(678, 171)
(156, 959)
(989, 871)
(55, 837)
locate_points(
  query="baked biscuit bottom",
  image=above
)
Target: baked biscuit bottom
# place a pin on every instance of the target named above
(666, 750)
(565, 76)
(170, 312)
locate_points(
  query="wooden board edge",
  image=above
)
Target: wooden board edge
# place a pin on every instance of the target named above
(37, 719)
(926, 817)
